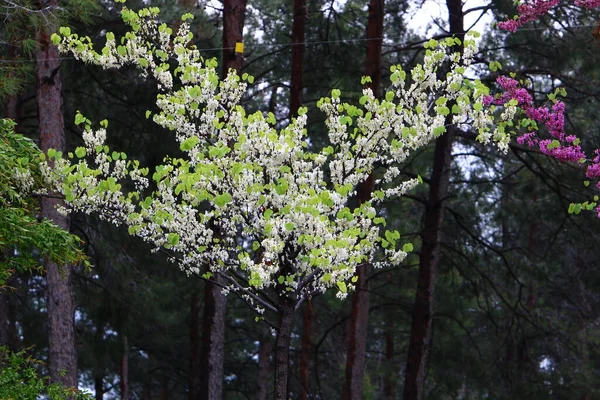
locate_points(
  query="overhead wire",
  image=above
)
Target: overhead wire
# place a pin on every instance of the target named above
(311, 43)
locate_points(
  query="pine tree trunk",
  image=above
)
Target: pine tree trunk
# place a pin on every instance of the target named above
(390, 381)
(124, 370)
(213, 342)
(98, 388)
(265, 349)
(282, 354)
(420, 336)
(305, 345)
(297, 82)
(164, 392)
(61, 330)
(356, 351)
(233, 26)
(215, 303)
(194, 371)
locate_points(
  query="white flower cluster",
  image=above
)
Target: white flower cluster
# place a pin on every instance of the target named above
(247, 199)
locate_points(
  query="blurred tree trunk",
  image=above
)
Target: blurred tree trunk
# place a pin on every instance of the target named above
(265, 350)
(98, 388)
(297, 82)
(282, 352)
(194, 371)
(357, 336)
(215, 303)
(124, 381)
(422, 317)
(61, 329)
(296, 97)
(305, 345)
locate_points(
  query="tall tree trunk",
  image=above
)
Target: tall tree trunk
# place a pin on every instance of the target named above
(99, 387)
(356, 351)
(215, 303)
(296, 95)
(61, 335)
(422, 317)
(282, 355)
(265, 349)
(213, 343)
(164, 392)
(297, 82)
(124, 370)
(305, 345)
(390, 378)
(233, 27)
(194, 371)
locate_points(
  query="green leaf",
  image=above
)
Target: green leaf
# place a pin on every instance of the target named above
(289, 226)
(407, 248)
(189, 143)
(222, 199)
(173, 238)
(80, 152)
(55, 39)
(342, 286)
(268, 213)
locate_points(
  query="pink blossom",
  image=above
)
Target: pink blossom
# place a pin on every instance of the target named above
(534, 9)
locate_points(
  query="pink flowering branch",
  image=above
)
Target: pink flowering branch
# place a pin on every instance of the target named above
(532, 10)
(559, 145)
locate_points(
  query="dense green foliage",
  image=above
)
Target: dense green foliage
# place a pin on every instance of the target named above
(24, 237)
(20, 380)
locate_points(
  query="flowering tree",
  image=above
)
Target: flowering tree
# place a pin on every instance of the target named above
(260, 206)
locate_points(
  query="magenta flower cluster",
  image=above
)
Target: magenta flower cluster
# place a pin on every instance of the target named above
(532, 10)
(559, 146)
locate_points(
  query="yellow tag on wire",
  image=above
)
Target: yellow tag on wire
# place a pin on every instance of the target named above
(239, 47)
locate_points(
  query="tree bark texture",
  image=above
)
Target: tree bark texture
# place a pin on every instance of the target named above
(305, 345)
(422, 317)
(282, 355)
(390, 378)
(265, 349)
(213, 342)
(61, 329)
(233, 26)
(297, 82)
(194, 371)
(356, 351)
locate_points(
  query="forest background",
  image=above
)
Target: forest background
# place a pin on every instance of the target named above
(514, 313)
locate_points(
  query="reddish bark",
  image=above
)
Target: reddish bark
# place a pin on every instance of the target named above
(61, 330)
(233, 26)
(357, 337)
(420, 336)
(297, 82)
